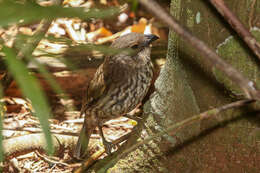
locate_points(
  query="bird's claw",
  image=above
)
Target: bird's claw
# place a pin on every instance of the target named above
(108, 146)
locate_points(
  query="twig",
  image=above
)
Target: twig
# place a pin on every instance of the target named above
(21, 144)
(178, 126)
(33, 42)
(232, 19)
(50, 161)
(250, 17)
(61, 127)
(38, 130)
(15, 164)
(78, 121)
(237, 77)
(89, 161)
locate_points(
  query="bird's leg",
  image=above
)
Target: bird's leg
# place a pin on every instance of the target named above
(108, 145)
(132, 117)
(134, 114)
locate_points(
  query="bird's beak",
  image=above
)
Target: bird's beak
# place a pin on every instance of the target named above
(150, 38)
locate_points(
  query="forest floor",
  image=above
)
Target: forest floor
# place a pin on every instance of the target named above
(72, 68)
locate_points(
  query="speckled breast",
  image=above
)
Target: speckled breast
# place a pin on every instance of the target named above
(125, 98)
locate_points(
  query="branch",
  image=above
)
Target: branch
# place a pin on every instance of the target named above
(232, 19)
(38, 130)
(93, 158)
(178, 126)
(31, 142)
(234, 75)
(41, 30)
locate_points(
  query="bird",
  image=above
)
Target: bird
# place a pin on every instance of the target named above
(118, 86)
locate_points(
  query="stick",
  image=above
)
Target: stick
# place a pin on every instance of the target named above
(178, 126)
(234, 75)
(235, 23)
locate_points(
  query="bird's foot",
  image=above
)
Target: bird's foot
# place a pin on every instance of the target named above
(108, 146)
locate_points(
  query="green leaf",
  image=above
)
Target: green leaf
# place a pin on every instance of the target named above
(106, 50)
(20, 44)
(32, 90)
(2, 112)
(134, 5)
(13, 12)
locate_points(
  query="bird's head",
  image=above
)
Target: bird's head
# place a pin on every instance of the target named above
(134, 40)
(139, 43)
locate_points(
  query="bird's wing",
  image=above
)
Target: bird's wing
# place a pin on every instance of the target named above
(105, 77)
(95, 89)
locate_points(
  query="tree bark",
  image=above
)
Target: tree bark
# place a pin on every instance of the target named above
(188, 85)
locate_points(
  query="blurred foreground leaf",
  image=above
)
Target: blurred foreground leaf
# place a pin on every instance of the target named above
(27, 12)
(22, 43)
(106, 50)
(32, 90)
(2, 112)
(134, 5)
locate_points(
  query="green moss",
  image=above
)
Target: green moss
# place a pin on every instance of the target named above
(190, 18)
(233, 52)
(212, 112)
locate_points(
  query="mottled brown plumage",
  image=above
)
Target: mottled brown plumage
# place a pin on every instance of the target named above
(118, 86)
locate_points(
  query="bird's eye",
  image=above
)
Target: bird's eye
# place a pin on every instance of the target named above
(134, 46)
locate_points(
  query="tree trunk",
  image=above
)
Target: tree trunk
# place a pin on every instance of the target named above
(188, 85)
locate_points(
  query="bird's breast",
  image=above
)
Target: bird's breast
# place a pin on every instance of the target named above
(125, 96)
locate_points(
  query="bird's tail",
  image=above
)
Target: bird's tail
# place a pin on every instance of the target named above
(83, 140)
